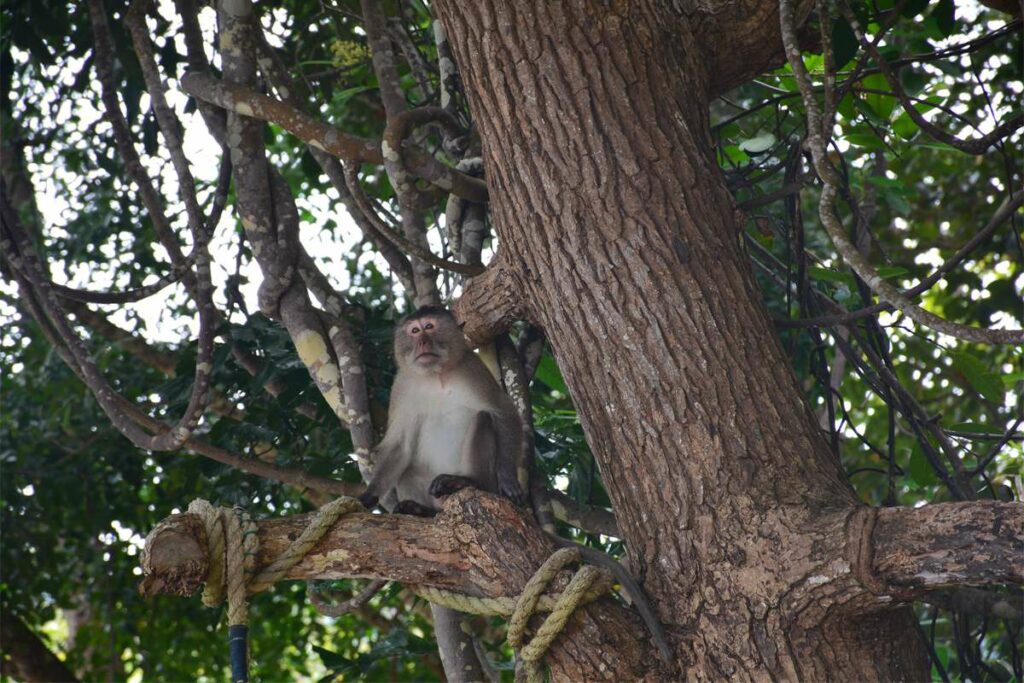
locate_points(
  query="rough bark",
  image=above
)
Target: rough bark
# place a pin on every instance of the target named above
(949, 544)
(625, 249)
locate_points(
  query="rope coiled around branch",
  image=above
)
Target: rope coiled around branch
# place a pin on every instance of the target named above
(586, 585)
(232, 545)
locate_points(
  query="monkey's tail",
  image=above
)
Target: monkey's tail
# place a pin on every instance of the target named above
(633, 591)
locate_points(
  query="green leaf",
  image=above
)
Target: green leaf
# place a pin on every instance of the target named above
(1012, 378)
(940, 146)
(735, 154)
(912, 81)
(896, 201)
(978, 374)
(882, 181)
(864, 140)
(827, 275)
(920, 469)
(814, 63)
(945, 15)
(882, 104)
(844, 43)
(332, 660)
(759, 144)
(846, 108)
(868, 111)
(904, 126)
(913, 8)
(548, 372)
(343, 96)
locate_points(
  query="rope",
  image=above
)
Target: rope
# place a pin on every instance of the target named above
(586, 585)
(232, 546)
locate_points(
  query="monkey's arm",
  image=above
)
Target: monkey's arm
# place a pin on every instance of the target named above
(392, 459)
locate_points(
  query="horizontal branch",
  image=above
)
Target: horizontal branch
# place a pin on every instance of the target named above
(977, 543)
(479, 545)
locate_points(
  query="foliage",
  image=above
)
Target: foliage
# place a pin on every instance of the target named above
(76, 494)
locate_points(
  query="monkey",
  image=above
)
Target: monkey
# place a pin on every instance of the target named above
(449, 423)
(450, 426)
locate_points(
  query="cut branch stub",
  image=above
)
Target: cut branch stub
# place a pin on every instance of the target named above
(175, 558)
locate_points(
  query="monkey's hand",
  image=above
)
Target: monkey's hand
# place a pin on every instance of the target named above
(447, 484)
(369, 500)
(508, 486)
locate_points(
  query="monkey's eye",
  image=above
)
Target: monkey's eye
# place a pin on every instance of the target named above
(415, 330)
(428, 326)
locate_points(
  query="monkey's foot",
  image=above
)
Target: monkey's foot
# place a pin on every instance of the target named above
(447, 484)
(411, 507)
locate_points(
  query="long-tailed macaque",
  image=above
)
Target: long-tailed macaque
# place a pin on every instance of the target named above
(447, 417)
(451, 426)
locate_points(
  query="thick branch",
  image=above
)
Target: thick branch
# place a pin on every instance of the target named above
(319, 135)
(248, 102)
(479, 545)
(741, 39)
(948, 544)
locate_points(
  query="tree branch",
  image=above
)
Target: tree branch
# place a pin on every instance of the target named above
(947, 545)
(26, 657)
(741, 40)
(976, 146)
(818, 134)
(587, 518)
(248, 102)
(479, 545)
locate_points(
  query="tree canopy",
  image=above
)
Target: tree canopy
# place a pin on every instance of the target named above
(156, 347)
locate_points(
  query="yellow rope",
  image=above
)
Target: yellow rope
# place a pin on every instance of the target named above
(232, 544)
(587, 585)
(325, 518)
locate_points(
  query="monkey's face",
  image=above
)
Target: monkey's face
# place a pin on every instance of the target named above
(431, 342)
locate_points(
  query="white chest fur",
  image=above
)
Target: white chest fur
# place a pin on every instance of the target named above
(446, 412)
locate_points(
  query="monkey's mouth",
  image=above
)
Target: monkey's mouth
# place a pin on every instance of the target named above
(426, 354)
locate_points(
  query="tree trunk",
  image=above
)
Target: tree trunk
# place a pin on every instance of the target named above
(620, 238)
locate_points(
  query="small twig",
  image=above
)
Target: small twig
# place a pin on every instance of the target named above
(976, 146)
(816, 142)
(1005, 210)
(339, 609)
